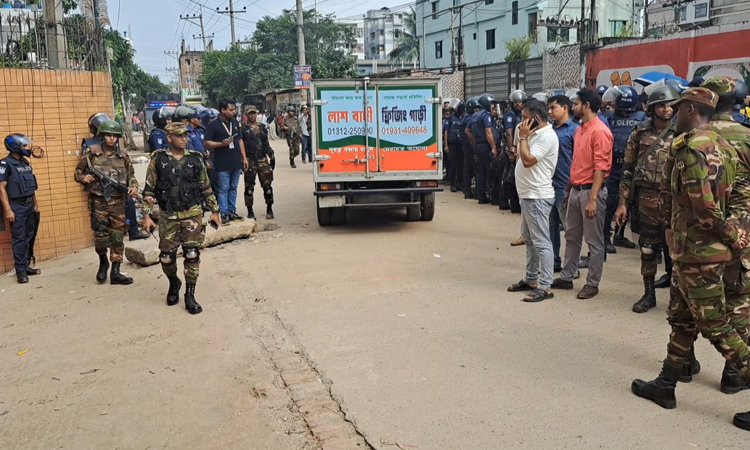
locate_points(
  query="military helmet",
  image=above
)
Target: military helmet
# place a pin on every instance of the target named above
(517, 96)
(486, 101)
(18, 143)
(95, 121)
(110, 127)
(291, 108)
(472, 104)
(625, 98)
(541, 96)
(740, 92)
(662, 94)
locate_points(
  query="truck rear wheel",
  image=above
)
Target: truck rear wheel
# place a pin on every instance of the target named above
(413, 213)
(338, 216)
(428, 206)
(325, 217)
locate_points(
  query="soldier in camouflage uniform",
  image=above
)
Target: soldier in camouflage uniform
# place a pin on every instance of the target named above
(645, 154)
(293, 134)
(176, 180)
(108, 205)
(701, 239)
(736, 281)
(258, 150)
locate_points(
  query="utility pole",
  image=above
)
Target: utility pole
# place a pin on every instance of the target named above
(300, 34)
(57, 54)
(453, 42)
(582, 38)
(203, 38)
(593, 21)
(203, 31)
(176, 57)
(230, 10)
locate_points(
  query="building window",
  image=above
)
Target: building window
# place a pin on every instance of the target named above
(434, 10)
(490, 37)
(360, 32)
(554, 33)
(701, 10)
(439, 50)
(617, 26)
(681, 14)
(397, 33)
(532, 26)
(489, 2)
(475, 36)
(187, 61)
(514, 13)
(456, 2)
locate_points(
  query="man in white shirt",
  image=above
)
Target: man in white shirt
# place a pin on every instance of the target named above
(535, 166)
(304, 123)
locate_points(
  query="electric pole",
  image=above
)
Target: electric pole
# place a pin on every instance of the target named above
(230, 10)
(57, 53)
(593, 21)
(200, 17)
(300, 34)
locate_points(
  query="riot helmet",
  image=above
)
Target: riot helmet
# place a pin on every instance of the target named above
(183, 113)
(208, 115)
(517, 96)
(571, 94)
(485, 101)
(601, 89)
(472, 104)
(740, 92)
(541, 96)
(625, 98)
(18, 143)
(110, 127)
(455, 103)
(161, 115)
(95, 122)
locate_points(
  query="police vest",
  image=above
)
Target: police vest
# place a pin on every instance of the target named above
(21, 180)
(254, 142)
(465, 123)
(454, 129)
(621, 128)
(178, 186)
(477, 128)
(158, 140)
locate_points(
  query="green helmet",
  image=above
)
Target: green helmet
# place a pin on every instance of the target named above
(110, 127)
(663, 94)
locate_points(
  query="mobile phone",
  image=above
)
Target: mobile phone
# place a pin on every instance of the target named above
(534, 122)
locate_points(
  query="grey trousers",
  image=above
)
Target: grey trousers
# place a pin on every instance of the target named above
(578, 229)
(535, 231)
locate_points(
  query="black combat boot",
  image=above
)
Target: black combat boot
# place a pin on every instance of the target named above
(115, 277)
(269, 212)
(664, 282)
(731, 381)
(742, 420)
(101, 274)
(690, 367)
(173, 295)
(660, 390)
(250, 213)
(620, 240)
(648, 300)
(291, 163)
(190, 304)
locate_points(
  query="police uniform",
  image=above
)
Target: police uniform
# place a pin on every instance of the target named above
(481, 121)
(258, 151)
(469, 157)
(158, 140)
(509, 196)
(21, 189)
(456, 154)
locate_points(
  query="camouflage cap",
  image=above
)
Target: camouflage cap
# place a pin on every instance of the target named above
(720, 85)
(698, 95)
(251, 109)
(177, 129)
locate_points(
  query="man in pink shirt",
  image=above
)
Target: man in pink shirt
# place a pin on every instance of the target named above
(586, 197)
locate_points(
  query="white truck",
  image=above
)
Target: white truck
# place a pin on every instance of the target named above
(376, 144)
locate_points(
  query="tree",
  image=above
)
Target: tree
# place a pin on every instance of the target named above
(519, 48)
(68, 5)
(407, 44)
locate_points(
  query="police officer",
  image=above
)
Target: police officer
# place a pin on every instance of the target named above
(157, 140)
(456, 151)
(258, 151)
(176, 180)
(646, 153)
(108, 206)
(208, 116)
(511, 119)
(468, 147)
(622, 122)
(740, 93)
(17, 194)
(293, 131)
(481, 133)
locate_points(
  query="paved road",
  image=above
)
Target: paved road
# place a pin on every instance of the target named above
(414, 349)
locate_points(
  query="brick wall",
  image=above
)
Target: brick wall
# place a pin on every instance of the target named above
(52, 107)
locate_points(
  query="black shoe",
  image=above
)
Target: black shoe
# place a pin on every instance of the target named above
(468, 196)
(303, 161)
(623, 242)
(504, 207)
(250, 213)
(660, 390)
(664, 282)
(483, 201)
(225, 219)
(557, 269)
(515, 210)
(22, 278)
(731, 381)
(173, 295)
(495, 202)
(190, 304)
(583, 263)
(291, 163)
(648, 300)
(742, 420)
(101, 274)
(115, 277)
(454, 189)
(269, 212)
(139, 235)
(690, 367)
(559, 283)
(31, 272)
(234, 217)
(609, 248)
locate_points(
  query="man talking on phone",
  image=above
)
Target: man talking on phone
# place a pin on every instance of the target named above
(537, 157)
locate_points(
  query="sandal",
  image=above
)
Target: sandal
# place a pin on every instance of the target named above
(518, 242)
(538, 295)
(521, 286)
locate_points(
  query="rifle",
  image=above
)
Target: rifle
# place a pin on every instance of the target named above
(108, 183)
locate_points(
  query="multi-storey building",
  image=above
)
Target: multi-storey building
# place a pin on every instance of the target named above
(668, 16)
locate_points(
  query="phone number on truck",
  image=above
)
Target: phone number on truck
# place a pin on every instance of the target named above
(349, 131)
(404, 130)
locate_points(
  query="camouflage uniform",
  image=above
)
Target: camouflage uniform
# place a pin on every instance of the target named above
(293, 135)
(258, 151)
(107, 216)
(181, 211)
(646, 153)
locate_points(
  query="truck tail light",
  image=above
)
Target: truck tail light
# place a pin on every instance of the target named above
(427, 184)
(330, 186)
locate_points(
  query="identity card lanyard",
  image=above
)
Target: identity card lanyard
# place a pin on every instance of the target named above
(229, 131)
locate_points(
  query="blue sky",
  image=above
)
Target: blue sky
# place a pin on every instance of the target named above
(155, 26)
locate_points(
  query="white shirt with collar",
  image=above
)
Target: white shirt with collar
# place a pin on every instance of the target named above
(535, 182)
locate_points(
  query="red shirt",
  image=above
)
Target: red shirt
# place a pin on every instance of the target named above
(592, 151)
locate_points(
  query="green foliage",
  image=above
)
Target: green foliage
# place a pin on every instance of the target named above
(237, 73)
(628, 31)
(68, 5)
(407, 50)
(519, 48)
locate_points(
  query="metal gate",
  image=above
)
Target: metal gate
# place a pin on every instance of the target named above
(503, 78)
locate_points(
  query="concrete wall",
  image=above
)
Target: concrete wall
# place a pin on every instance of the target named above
(52, 107)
